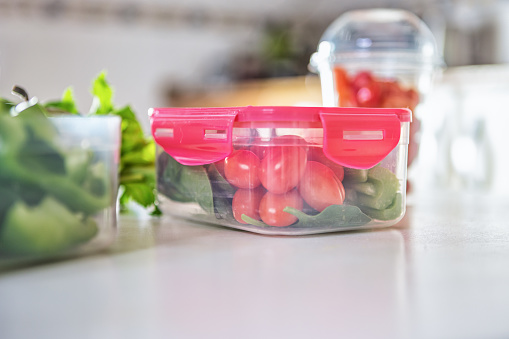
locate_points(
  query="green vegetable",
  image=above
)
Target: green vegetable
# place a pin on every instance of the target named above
(5, 106)
(47, 194)
(65, 105)
(220, 186)
(194, 179)
(355, 175)
(334, 215)
(254, 222)
(29, 155)
(34, 117)
(187, 184)
(77, 162)
(223, 193)
(367, 188)
(168, 180)
(6, 201)
(223, 209)
(350, 196)
(137, 154)
(44, 229)
(13, 190)
(382, 186)
(103, 95)
(392, 212)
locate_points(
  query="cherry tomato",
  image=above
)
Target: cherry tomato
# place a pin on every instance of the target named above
(396, 100)
(220, 167)
(272, 205)
(389, 87)
(368, 96)
(343, 88)
(241, 169)
(371, 92)
(367, 90)
(247, 201)
(320, 187)
(361, 79)
(394, 96)
(316, 154)
(259, 150)
(282, 167)
(283, 140)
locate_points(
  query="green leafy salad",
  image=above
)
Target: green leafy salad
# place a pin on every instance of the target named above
(291, 189)
(50, 192)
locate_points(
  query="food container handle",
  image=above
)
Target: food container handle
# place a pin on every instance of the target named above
(201, 136)
(359, 140)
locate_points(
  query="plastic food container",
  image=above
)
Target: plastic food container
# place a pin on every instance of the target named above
(58, 186)
(377, 58)
(283, 170)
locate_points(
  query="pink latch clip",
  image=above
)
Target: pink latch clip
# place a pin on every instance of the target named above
(194, 136)
(359, 140)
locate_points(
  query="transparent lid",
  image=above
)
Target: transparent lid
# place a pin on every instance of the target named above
(378, 34)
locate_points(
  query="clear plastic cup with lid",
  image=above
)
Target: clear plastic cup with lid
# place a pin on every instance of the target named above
(378, 58)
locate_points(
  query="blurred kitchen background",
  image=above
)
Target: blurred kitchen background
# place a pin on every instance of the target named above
(224, 53)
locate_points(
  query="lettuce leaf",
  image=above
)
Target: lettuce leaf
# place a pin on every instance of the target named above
(137, 153)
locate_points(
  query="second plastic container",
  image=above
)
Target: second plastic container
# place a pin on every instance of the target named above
(58, 185)
(377, 58)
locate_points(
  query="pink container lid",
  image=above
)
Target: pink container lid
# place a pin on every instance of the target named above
(352, 136)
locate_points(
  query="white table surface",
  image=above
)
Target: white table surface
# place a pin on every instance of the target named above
(442, 272)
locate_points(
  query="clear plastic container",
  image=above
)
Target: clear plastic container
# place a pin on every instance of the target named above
(58, 186)
(283, 170)
(377, 58)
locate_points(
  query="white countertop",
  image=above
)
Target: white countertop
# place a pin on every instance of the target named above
(442, 272)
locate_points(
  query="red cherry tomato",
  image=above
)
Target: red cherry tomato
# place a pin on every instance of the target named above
(343, 88)
(272, 205)
(283, 140)
(320, 188)
(241, 169)
(367, 90)
(368, 96)
(394, 96)
(247, 201)
(316, 154)
(259, 150)
(220, 167)
(389, 88)
(396, 100)
(282, 167)
(362, 79)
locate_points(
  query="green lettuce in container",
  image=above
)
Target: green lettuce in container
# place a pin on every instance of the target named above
(58, 182)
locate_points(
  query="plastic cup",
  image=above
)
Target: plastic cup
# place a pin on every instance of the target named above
(378, 58)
